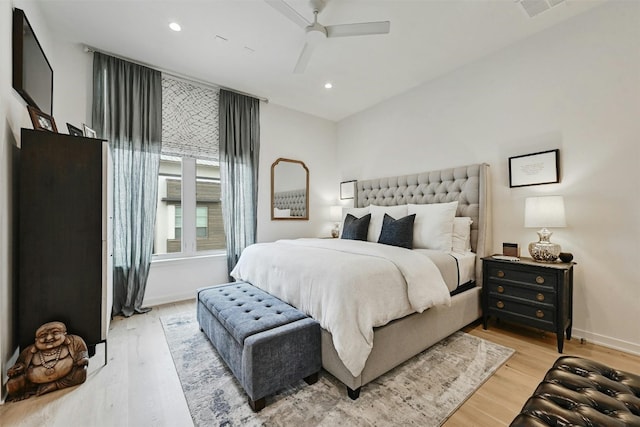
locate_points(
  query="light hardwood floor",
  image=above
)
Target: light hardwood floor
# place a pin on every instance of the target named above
(139, 386)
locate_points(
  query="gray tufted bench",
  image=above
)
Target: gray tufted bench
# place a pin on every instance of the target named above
(265, 342)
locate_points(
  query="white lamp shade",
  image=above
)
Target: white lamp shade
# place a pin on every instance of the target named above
(335, 213)
(545, 211)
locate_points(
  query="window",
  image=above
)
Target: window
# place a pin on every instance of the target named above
(209, 226)
(202, 217)
(168, 234)
(178, 222)
(189, 213)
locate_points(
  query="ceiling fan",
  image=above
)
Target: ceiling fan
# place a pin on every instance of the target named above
(316, 32)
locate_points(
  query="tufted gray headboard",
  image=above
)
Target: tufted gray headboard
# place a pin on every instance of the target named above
(469, 185)
(294, 200)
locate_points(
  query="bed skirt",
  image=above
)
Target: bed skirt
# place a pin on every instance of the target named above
(401, 339)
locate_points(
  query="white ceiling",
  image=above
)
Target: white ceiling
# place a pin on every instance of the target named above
(428, 38)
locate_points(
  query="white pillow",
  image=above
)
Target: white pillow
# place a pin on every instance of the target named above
(433, 227)
(281, 213)
(461, 234)
(357, 212)
(377, 215)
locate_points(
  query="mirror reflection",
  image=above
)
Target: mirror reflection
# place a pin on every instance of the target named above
(289, 190)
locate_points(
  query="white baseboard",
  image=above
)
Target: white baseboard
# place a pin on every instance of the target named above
(168, 299)
(605, 341)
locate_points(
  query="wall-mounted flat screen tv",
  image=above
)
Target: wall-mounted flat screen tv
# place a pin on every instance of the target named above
(32, 73)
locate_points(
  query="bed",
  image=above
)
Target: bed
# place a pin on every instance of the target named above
(430, 315)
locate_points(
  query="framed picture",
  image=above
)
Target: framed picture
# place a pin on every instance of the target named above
(347, 189)
(41, 121)
(74, 131)
(534, 169)
(89, 132)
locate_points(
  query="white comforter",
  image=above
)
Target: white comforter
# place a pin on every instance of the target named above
(348, 286)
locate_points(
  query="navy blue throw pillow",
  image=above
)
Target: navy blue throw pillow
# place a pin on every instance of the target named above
(397, 232)
(356, 228)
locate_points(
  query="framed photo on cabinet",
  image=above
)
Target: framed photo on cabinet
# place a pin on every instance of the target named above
(88, 132)
(41, 121)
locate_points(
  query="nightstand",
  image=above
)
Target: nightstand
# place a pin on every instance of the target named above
(531, 293)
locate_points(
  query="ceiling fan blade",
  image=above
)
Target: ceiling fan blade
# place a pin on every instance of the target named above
(289, 12)
(304, 58)
(361, 29)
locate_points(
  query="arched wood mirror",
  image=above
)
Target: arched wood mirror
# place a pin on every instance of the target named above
(289, 190)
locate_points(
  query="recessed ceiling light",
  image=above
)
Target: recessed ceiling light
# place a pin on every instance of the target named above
(175, 26)
(328, 85)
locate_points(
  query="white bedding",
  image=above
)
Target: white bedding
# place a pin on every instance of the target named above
(348, 286)
(466, 266)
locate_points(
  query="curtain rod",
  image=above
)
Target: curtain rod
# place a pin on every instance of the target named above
(173, 74)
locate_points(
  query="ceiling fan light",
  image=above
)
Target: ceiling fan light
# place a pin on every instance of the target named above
(315, 35)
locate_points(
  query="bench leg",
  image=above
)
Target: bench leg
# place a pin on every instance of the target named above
(311, 379)
(257, 405)
(353, 394)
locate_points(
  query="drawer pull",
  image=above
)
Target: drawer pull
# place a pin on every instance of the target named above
(540, 297)
(500, 304)
(539, 280)
(500, 289)
(500, 273)
(539, 314)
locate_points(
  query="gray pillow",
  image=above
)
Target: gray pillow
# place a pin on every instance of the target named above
(355, 228)
(397, 232)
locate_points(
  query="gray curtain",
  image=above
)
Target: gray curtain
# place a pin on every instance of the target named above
(127, 111)
(239, 152)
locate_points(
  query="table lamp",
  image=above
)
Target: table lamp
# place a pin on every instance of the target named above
(543, 212)
(336, 217)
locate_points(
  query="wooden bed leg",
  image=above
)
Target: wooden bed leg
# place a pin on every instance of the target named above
(354, 394)
(311, 379)
(257, 405)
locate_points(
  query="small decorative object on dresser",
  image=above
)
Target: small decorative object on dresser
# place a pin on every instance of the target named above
(511, 249)
(527, 292)
(543, 212)
(566, 256)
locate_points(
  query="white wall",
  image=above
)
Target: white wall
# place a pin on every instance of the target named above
(298, 136)
(575, 87)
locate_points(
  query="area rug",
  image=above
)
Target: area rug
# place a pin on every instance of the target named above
(423, 391)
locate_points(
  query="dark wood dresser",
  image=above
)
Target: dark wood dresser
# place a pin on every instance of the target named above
(65, 236)
(536, 294)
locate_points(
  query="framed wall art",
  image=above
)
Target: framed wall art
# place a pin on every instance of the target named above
(534, 169)
(347, 189)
